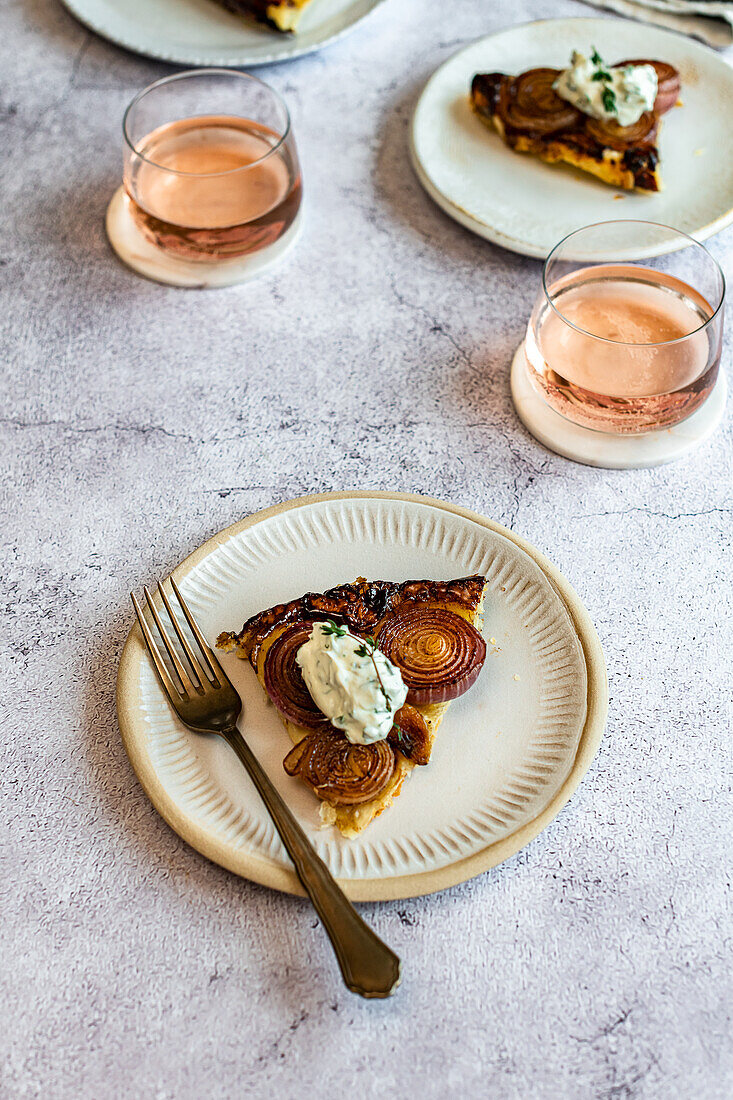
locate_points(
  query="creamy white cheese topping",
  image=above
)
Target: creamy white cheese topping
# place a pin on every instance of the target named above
(353, 683)
(632, 88)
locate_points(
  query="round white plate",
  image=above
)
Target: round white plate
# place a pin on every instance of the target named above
(507, 757)
(519, 202)
(203, 32)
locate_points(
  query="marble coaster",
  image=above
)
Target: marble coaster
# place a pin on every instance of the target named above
(611, 452)
(135, 250)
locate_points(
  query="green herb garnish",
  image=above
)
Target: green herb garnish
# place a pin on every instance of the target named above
(399, 735)
(330, 627)
(367, 649)
(608, 98)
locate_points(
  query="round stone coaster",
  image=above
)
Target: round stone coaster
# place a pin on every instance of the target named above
(135, 250)
(610, 451)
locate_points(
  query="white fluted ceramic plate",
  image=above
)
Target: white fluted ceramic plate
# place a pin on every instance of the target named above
(203, 32)
(519, 202)
(507, 757)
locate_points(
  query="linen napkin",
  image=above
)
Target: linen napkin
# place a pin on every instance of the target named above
(709, 20)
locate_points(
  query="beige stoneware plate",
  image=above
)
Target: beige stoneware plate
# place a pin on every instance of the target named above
(203, 32)
(509, 754)
(521, 203)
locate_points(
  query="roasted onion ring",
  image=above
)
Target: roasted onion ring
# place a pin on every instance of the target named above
(410, 735)
(609, 133)
(339, 772)
(439, 653)
(668, 82)
(529, 102)
(284, 681)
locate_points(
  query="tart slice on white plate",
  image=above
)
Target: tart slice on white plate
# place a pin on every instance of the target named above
(362, 676)
(602, 119)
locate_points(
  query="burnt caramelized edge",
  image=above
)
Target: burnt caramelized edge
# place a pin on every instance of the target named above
(258, 9)
(640, 160)
(360, 606)
(485, 89)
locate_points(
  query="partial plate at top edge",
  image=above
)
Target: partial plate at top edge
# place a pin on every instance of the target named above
(204, 33)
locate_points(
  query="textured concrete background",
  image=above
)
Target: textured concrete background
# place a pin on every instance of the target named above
(136, 422)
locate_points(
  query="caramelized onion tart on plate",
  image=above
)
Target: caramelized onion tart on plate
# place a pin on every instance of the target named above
(427, 630)
(532, 117)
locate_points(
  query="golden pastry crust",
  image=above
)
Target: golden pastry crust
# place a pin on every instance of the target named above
(362, 607)
(606, 164)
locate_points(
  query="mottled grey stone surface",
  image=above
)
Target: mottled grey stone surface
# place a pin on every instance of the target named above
(136, 422)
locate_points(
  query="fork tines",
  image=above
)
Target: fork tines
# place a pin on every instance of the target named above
(201, 675)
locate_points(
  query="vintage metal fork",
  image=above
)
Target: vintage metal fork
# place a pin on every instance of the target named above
(204, 699)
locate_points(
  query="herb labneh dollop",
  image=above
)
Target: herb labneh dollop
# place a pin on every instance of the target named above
(352, 682)
(621, 93)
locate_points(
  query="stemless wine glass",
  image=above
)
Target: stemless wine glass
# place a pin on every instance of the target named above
(626, 332)
(210, 165)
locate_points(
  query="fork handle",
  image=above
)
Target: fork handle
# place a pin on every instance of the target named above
(368, 966)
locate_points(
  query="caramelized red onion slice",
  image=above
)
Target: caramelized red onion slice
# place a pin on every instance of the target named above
(438, 653)
(410, 735)
(610, 133)
(284, 681)
(292, 761)
(339, 772)
(668, 82)
(529, 102)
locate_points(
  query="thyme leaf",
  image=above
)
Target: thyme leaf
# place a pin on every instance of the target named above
(330, 627)
(399, 735)
(367, 649)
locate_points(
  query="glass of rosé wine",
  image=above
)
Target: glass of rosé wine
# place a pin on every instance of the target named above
(629, 339)
(211, 168)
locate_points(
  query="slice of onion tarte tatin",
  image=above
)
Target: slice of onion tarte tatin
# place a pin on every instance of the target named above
(429, 630)
(531, 117)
